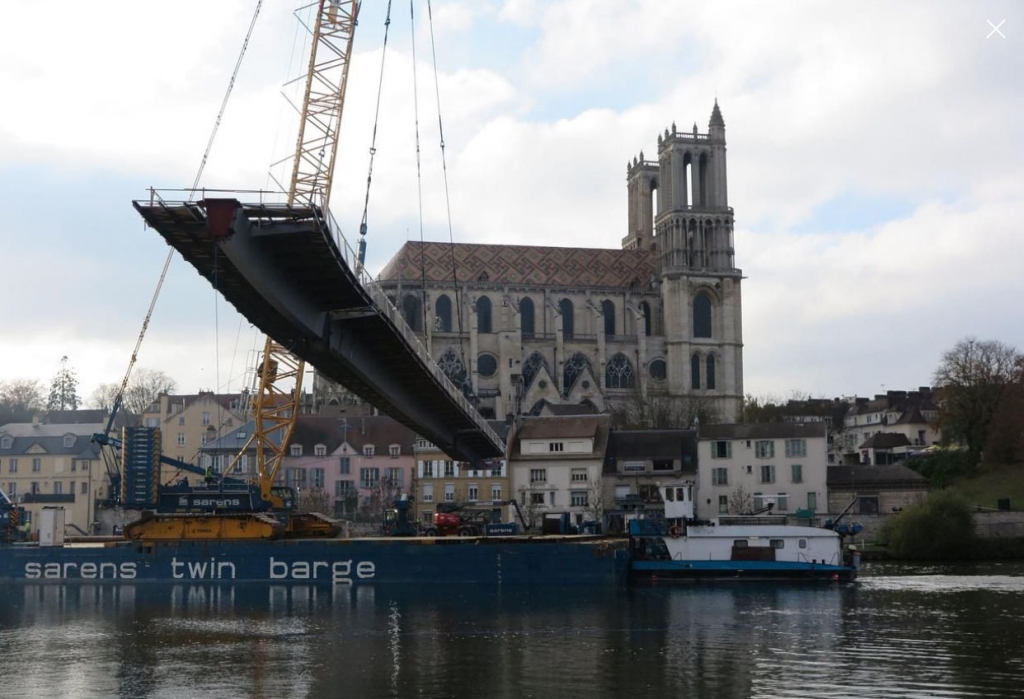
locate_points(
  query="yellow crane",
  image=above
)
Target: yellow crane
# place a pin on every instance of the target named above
(276, 409)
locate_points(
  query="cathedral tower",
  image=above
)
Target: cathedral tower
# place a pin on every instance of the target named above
(700, 284)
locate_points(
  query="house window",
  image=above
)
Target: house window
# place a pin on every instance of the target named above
(35, 487)
(449, 492)
(318, 478)
(295, 450)
(663, 465)
(58, 488)
(181, 439)
(474, 493)
(428, 469)
(812, 501)
(320, 450)
(84, 488)
(428, 517)
(14, 465)
(767, 474)
(551, 498)
(395, 451)
(181, 421)
(6, 442)
(69, 440)
(37, 465)
(206, 418)
(758, 501)
(578, 498)
(496, 492)
(764, 449)
(152, 422)
(428, 492)
(243, 463)
(369, 477)
(12, 489)
(344, 465)
(538, 475)
(649, 493)
(797, 475)
(396, 477)
(556, 446)
(449, 469)
(723, 504)
(367, 450)
(721, 450)
(782, 502)
(796, 447)
(719, 476)
(536, 498)
(579, 475)
(344, 489)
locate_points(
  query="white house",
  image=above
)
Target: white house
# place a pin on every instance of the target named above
(743, 467)
(556, 464)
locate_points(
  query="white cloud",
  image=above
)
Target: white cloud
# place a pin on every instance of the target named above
(901, 103)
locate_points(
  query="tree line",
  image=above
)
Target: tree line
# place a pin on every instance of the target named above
(21, 399)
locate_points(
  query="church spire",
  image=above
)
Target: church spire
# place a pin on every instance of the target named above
(716, 117)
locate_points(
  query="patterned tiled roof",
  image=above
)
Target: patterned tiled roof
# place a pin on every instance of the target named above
(520, 264)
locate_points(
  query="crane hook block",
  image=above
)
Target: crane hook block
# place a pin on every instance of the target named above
(362, 251)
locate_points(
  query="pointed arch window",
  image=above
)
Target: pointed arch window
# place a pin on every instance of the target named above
(710, 376)
(701, 315)
(566, 309)
(532, 366)
(645, 308)
(526, 316)
(443, 314)
(695, 371)
(608, 311)
(574, 366)
(483, 315)
(619, 373)
(411, 311)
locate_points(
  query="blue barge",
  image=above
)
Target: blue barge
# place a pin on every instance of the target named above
(544, 560)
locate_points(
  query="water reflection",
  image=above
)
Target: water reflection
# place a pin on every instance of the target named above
(891, 635)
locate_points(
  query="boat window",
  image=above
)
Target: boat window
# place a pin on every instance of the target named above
(739, 543)
(778, 543)
(681, 495)
(669, 495)
(803, 543)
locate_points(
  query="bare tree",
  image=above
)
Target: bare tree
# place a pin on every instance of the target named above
(974, 376)
(103, 397)
(741, 502)
(19, 400)
(315, 500)
(144, 387)
(664, 412)
(595, 501)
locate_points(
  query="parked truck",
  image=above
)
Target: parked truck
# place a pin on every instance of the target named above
(473, 519)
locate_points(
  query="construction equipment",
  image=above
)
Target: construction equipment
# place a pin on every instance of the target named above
(473, 519)
(11, 517)
(231, 507)
(398, 520)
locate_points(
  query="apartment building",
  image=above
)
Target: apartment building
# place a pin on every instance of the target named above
(556, 465)
(741, 468)
(189, 422)
(884, 429)
(55, 465)
(637, 462)
(440, 479)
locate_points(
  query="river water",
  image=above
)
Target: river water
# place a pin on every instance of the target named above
(897, 632)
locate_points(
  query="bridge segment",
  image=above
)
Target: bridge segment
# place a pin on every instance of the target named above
(288, 270)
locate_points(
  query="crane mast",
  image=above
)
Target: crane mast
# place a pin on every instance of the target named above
(276, 409)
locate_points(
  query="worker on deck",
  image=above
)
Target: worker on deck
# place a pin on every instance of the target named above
(208, 478)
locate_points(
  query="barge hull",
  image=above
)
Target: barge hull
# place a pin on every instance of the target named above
(730, 571)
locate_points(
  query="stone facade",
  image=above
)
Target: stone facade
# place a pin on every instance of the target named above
(519, 326)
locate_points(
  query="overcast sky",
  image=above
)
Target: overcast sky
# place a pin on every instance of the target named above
(875, 163)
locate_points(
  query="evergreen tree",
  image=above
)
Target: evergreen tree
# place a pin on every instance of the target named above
(63, 388)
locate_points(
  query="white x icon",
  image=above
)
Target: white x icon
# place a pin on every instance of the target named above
(995, 29)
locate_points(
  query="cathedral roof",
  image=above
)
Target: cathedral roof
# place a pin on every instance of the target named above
(716, 116)
(521, 264)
